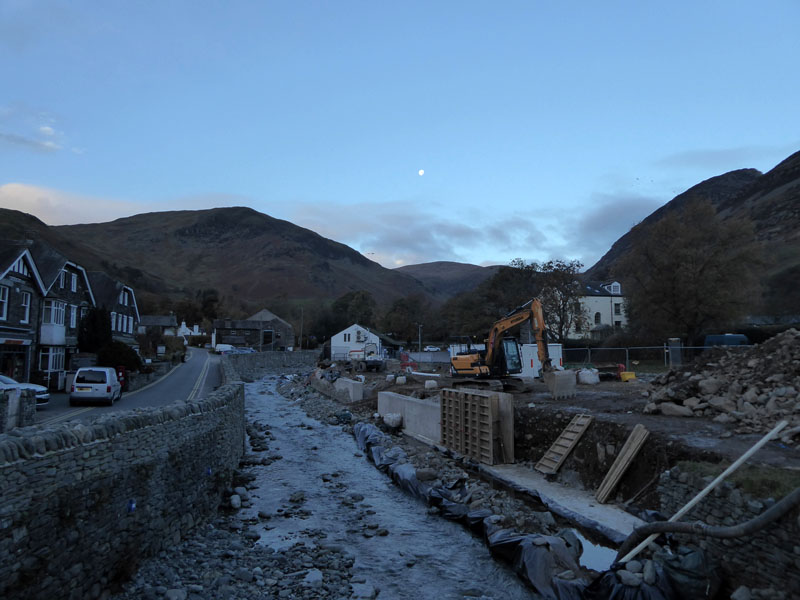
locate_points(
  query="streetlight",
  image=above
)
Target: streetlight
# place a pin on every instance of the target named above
(419, 325)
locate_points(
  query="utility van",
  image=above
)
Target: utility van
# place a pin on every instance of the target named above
(95, 383)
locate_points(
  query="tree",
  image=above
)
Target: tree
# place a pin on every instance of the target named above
(355, 307)
(561, 297)
(94, 330)
(689, 272)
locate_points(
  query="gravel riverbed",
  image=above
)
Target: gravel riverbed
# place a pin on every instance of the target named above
(345, 531)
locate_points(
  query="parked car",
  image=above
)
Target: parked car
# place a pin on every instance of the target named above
(95, 383)
(243, 350)
(431, 349)
(223, 348)
(42, 394)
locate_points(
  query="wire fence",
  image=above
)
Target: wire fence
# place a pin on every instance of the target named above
(637, 358)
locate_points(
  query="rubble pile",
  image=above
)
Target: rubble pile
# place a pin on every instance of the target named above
(752, 389)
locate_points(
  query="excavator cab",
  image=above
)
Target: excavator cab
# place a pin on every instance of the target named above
(510, 360)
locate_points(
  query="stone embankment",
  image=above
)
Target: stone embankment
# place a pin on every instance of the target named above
(751, 389)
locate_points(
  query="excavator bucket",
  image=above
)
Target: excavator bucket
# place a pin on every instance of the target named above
(561, 384)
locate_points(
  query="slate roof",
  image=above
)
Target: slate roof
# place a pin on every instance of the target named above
(598, 288)
(265, 316)
(10, 253)
(49, 261)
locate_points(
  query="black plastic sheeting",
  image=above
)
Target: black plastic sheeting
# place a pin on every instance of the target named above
(537, 559)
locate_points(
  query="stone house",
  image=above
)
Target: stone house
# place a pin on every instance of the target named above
(604, 307)
(120, 301)
(21, 290)
(166, 324)
(67, 298)
(262, 331)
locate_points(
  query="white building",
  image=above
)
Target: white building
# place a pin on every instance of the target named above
(354, 337)
(604, 307)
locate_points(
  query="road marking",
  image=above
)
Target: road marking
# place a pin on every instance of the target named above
(201, 379)
(66, 416)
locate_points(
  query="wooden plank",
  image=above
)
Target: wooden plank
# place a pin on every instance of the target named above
(560, 449)
(629, 451)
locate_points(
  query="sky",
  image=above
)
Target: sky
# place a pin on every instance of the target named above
(476, 132)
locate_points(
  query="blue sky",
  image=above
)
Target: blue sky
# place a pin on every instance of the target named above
(545, 130)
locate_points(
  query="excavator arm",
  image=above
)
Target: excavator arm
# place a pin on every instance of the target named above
(530, 311)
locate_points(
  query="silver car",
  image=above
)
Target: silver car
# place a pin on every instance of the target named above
(95, 383)
(42, 394)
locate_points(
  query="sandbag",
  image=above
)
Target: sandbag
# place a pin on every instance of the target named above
(589, 376)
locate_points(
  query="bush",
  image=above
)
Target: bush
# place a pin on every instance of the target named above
(119, 354)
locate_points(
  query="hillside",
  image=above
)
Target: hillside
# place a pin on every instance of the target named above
(247, 256)
(449, 278)
(771, 201)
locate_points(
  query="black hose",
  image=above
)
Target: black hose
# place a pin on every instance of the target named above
(776, 511)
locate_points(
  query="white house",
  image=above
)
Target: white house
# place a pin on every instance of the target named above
(354, 337)
(604, 307)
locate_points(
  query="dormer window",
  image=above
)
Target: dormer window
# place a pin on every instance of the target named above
(615, 288)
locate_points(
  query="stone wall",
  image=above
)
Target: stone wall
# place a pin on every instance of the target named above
(249, 367)
(758, 560)
(17, 409)
(83, 504)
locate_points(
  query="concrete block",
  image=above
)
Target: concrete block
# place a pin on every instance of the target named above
(353, 390)
(431, 384)
(421, 416)
(401, 380)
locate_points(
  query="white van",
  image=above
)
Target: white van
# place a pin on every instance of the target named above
(95, 383)
(223, 348)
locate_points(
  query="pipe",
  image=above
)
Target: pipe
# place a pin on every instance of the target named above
(776, 511)
(710, 486)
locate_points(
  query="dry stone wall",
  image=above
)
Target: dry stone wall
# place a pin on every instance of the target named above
(83, 504)
(17, 409)
(758, 560)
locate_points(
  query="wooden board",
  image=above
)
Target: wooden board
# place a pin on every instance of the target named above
(558, 452)
(624, 459)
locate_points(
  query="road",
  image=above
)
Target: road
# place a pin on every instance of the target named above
(187, 381)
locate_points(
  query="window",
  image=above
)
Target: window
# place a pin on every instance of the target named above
(3, 303)
(73, 284)
(61, 279)
(113, 321)
(346, 337)
(53, 312)
(119, 322)
(26, 307)
(597, 318)
(130, 325)
(123, 298)
(617, 308)
(73, 316)
(84, 311)
(618, 324)
(615, 289)
(51, 358)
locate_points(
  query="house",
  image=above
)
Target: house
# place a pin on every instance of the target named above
(165, 324)
(263, 331)
(68, 297)
(21, 290)
(356, 337)
(120, 301)
(184, 331)
(604, 307)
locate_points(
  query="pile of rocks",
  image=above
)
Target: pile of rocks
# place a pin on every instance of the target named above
(752, 389)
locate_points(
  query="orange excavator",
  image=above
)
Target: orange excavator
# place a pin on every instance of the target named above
(501, 359)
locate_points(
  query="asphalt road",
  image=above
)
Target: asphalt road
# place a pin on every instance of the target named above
(193, 379)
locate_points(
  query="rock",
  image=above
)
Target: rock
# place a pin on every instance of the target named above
(236, 501)
(630, 579)
(313, 579)
(649, 572)
(363, 591)
(393, 419)
(671, 409)
(176, 594)
(634, 566)
(710, 386)
(742, 593)
(427, 474)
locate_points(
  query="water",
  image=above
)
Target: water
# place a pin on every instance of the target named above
(423, 556)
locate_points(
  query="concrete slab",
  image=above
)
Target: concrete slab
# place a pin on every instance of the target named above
(354, 390)
(607, 519)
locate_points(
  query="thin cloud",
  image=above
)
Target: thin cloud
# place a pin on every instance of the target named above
(12, 139)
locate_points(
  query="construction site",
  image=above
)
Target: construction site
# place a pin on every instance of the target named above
(686, 482)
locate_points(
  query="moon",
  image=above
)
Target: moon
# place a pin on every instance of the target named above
(421, 172)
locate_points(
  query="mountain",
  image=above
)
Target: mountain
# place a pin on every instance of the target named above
(771, 201)
(449, 278)
(247, 256)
